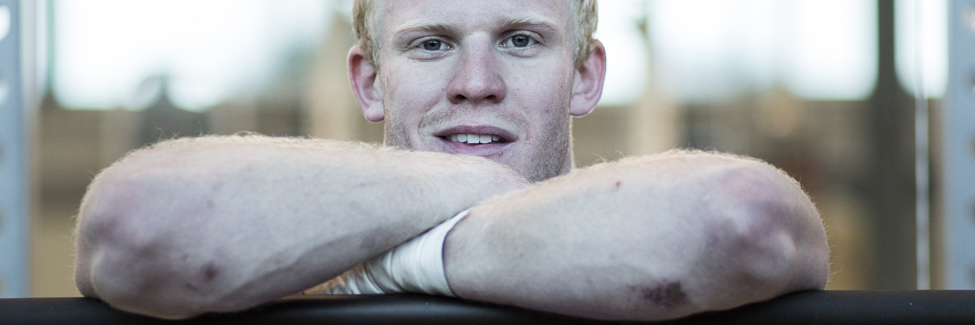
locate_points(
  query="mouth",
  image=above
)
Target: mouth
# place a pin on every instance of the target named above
(476, 140)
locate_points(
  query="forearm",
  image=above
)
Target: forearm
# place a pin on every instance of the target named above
(222, 224)
(645, 239)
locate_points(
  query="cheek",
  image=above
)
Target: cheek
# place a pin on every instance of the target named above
(412, 91)
(408, 95)
(546, 94)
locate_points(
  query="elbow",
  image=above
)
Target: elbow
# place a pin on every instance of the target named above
(156, 278)
(137, 274)
(133, 259)
(125, 286)
(776, 235)
(777, 262)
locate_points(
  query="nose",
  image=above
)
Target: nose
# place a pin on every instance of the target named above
(478, 78)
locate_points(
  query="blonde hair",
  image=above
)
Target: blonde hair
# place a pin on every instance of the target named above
(585, 12)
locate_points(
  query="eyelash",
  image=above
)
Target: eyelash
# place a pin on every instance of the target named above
(443, 44)
(531, 40)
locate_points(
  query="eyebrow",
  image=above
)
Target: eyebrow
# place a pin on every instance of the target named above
(526, 22)
(446, 28)
(421, 27)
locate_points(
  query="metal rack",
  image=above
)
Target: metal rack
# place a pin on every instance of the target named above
(13, 157)
(959, 147)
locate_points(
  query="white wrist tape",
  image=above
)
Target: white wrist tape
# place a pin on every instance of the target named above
(415, 266)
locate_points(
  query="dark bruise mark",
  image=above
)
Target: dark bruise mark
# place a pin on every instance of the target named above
(667, 295)
(618, 183)
(210, 272)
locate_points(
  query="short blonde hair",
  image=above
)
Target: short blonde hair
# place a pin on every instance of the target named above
(585, 12)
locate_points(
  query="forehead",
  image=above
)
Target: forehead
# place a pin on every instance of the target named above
(396, 15)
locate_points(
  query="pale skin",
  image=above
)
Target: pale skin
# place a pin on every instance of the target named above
(642, 239)
(203, 225)
(223, 224)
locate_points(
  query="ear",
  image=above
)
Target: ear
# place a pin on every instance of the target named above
(365, 85)
(587, 87)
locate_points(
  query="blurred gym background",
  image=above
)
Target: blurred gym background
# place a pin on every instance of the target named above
(831, 91)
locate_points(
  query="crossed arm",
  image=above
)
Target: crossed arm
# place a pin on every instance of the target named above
(223, 224)
(643, 239)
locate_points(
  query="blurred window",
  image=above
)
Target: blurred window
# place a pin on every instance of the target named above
(707, 50)
(921, 27)
(209, 50)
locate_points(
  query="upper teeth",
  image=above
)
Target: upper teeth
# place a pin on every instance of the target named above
(474, 138)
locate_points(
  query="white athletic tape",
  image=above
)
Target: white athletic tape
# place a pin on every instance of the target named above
(415, 266)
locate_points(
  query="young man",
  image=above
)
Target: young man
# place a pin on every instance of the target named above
(223, 224)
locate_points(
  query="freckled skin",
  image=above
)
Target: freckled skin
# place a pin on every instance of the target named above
(218, 224)
(478, 82)
(678, 239)
(288, 214)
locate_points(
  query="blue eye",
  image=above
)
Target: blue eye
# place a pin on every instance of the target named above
(520, 41)
(432, 45)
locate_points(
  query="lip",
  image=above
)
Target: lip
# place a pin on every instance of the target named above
(486, 150)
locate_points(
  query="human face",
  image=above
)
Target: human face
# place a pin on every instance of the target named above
(497, 71)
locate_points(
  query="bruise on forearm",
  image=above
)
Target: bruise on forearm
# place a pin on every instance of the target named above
(642, 239)
(668, 294)
(242, 220)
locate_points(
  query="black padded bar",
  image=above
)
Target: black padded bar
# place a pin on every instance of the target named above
(812, 307)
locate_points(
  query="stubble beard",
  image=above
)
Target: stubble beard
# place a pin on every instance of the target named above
(550, 157)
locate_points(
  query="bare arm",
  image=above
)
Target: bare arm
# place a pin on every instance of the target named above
(222, 224)
(643, 239)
